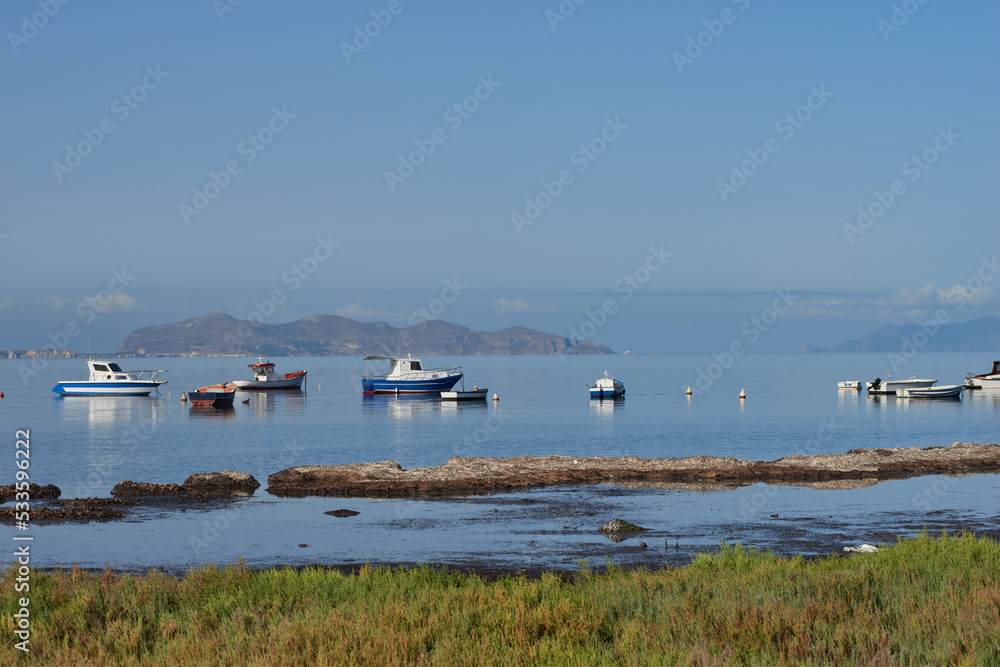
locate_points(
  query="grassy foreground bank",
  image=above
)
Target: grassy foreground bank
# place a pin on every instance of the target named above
(923, 601)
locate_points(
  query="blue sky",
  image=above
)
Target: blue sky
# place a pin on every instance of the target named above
(163, 160)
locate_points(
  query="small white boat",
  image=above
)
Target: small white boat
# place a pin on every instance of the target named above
(108, 379)
(851, 385)
(989, 380)
(890, 386)
(943, 391)
(264, 377)
(607, 387)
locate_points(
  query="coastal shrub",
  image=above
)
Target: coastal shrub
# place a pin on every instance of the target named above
(925, 600)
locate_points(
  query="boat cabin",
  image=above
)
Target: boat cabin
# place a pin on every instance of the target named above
(106, 370)
(264, 371)
(995, 371)
(400, 366)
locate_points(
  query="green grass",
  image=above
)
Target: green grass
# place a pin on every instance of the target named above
(926, 600)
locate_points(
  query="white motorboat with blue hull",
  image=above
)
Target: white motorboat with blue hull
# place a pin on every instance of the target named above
(108, 379)
(941, 391)
(408, 376)
(607, 387)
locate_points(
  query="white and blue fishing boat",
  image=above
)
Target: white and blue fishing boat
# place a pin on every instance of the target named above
(941, 391)
(408, 376)
(108, 379)
(607, 387)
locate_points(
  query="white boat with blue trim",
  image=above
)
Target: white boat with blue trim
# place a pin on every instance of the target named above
(108, 379)
(408, 376)
(941, 391)
(607, 387)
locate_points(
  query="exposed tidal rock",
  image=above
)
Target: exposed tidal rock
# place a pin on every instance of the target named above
(223, 483)
(342, 513)
(620, 526)
(386, 479)
(75, 509)
(130, 489)
(9, 492)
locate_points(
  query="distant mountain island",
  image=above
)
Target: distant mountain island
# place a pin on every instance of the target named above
(219, 334)
(979, 335)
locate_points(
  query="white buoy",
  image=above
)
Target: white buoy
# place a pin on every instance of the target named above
(688, 392)
(319, 386)
(743, 394)
(496, 397)
(184, 398)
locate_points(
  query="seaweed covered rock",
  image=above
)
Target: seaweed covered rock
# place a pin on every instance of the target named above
(35, 492)
(223, 483)
(130, 489)
(620, 526)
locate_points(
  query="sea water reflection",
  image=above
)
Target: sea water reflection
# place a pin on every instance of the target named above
(85, 445)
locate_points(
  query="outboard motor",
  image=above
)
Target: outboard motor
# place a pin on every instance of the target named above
(876, 383)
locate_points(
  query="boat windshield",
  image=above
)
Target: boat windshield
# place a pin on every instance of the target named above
(101, 367)
(415, 366)
(115, 368)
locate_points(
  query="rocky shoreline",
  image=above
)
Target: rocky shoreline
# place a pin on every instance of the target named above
(461, 475)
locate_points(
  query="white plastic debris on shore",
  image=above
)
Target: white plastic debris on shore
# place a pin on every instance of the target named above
(864, 549)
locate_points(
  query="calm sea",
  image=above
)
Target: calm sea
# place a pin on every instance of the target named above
(85, 445)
